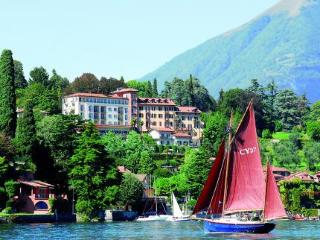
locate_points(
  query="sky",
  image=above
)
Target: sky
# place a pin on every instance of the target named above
(115, 38)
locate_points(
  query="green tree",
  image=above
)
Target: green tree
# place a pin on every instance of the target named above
(149, 90)
(115, 146)
(8, 116)
(177, 183)
(139, 149)
(196, 167)
(7, 149)
(87, 82)
(314, 114)
(108, 85)
(42, 98)
(58, 133)
(140, 86)
(289, 108)
(93, 174)
(214, 131)
(131, 190)
(312, 155)
(19, 79)
(236, 100)
(155, 88)
(39, 75)
(286, 155)
(146, 163)
(25, 140)
(313, 130)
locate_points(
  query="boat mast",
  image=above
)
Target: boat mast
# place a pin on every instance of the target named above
(227, 163)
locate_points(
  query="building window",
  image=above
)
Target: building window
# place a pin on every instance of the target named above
(171, 124)
(160, 124)
(189, 118)
(103, 109)
(160, 115)
(154, 123)
(109, 109)
(115, 109)
(81, 108)
(90, 108)
(141, 115)
(160, 108)
(183, 118)
(96, 108)
(189, 126)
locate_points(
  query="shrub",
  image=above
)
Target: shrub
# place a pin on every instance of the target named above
(278, 126)
(266, 133)
(11, 188)
(313, 130)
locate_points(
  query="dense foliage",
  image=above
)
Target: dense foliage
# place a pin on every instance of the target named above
(189, 92)
(93, 174)
(7, 94)
(69, 153)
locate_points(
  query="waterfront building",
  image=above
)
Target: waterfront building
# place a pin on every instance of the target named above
(34, 196)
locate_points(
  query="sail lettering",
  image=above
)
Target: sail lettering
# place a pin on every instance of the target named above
(247, 151)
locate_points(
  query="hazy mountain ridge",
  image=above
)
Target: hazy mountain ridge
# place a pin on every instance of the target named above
(282, 44)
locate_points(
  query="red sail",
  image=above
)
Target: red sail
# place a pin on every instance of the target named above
(211, 183)
(273, 206)
(246, 185)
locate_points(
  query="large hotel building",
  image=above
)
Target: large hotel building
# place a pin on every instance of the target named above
(160, 117)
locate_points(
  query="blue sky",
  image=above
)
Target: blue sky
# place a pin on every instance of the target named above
(114, 37)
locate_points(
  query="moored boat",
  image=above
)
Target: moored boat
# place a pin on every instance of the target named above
(177, 215)
(237, 197)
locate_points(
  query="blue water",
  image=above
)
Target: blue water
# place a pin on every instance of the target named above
(149, 230)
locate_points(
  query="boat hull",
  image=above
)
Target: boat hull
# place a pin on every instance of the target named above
(215, 226)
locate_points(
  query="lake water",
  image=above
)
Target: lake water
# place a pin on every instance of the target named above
(149, 230)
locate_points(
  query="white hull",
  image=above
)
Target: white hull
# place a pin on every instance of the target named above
(154, 218)
(178, 219)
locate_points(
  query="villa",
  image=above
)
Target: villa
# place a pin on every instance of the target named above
(34, 196)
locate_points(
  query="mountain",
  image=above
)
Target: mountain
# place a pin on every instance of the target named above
(282, 44)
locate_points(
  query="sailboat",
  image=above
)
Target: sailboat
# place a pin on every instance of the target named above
(237, 197)
(177, 215)
(154, 216)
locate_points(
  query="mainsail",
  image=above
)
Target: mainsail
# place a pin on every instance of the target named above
(209, 187)
(245, 182)
(273, 205)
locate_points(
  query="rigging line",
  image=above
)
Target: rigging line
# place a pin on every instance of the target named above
(227, 165)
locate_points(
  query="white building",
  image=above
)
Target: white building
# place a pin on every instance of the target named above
(101, 109)
(167, 136)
